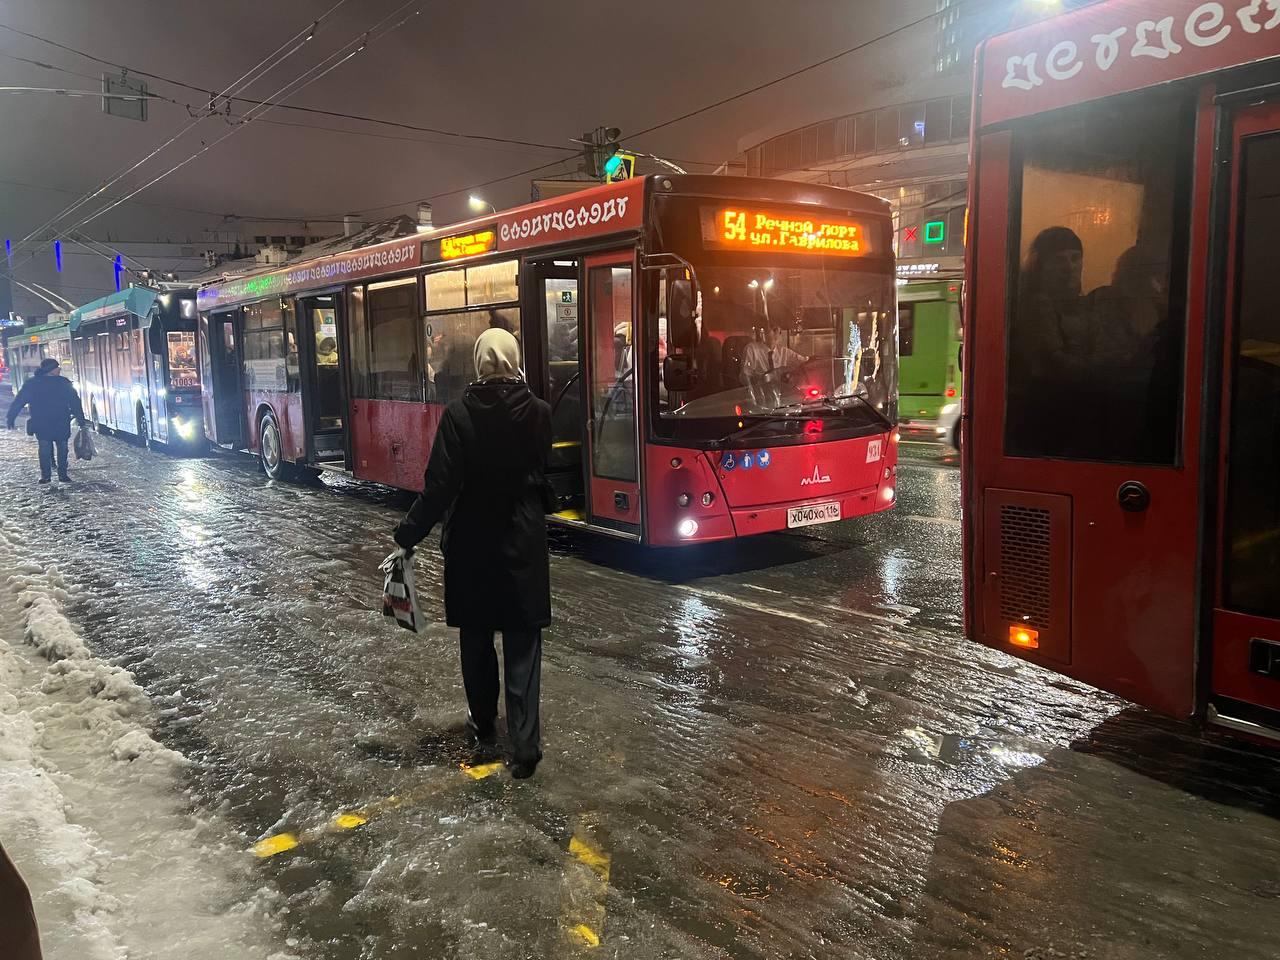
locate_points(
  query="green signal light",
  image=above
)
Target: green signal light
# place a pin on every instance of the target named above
(935, 231)
(612, 165)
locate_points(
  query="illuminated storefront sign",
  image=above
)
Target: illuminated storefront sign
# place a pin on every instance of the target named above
(466, 245)
(749, 228)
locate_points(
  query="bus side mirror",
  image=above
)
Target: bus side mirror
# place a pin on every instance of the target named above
(682, 330)
(678, 373)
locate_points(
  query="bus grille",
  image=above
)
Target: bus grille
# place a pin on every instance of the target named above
(1025, 578)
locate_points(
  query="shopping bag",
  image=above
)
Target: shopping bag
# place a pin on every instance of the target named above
(399, 598)
(84, 446)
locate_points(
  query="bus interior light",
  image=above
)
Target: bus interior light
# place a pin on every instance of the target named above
(688, 527)
(1023, 636)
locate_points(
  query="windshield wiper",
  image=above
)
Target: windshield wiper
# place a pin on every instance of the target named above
(835, 403)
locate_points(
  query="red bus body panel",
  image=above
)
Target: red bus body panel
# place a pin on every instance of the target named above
(1118, 47)
(391, 440)
(859, 474)
(288, 410)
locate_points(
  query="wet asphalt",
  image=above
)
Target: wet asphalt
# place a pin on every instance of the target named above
(782, 747)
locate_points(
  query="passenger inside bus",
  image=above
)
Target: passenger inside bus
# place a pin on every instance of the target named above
(1091, 354)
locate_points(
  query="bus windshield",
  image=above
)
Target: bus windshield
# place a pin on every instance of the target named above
(795, 319)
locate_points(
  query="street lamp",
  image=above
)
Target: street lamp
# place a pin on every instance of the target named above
(479, 203)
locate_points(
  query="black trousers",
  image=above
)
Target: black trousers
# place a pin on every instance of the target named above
(522, 665)
(19, 939)
(47, 450)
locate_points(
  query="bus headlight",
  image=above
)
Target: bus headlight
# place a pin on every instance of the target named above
(184, 428)
(887, 494)
(687, 527)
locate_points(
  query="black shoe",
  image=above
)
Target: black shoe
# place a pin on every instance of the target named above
(63, 478)
(522, 769)
(482, 737)
(45, 480)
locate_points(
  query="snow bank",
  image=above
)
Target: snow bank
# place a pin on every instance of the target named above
(91, 805)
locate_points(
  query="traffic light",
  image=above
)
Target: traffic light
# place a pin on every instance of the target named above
(599, 146)
(620, 166)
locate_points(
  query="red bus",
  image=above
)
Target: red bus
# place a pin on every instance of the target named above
(1121, 455)
(720, 354)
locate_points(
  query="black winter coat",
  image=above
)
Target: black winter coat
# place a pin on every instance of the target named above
(487, 472)
(53, 402)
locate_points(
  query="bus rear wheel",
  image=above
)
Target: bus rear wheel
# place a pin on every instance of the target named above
(143, 425)
(271, 450)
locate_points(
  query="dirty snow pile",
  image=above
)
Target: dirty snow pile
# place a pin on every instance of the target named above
(91, 806)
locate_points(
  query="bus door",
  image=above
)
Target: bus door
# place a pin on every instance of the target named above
(324, 397)
(1083, 423)
(613, 490)
(1246, 620)
(556, 300)
(226, 369)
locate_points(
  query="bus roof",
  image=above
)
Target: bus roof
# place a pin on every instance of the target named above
(596, 212)
(135, 300)
(1118, 46)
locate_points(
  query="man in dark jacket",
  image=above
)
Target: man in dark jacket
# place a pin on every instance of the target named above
(487, 477)
(53, 402)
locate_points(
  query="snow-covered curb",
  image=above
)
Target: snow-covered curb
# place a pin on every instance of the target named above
(91, 805)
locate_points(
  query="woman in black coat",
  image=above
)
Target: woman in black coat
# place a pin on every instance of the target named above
(487, 478)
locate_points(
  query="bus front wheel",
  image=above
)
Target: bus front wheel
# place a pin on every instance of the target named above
(271, 450)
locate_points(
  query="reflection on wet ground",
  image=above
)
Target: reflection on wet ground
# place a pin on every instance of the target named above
(780, 747)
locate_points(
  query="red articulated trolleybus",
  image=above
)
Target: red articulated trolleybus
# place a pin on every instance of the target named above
(720, 354)
(1122, 432)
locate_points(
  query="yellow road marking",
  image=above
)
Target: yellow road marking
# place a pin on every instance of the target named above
(270, 846)
(350, 819)
(480, 771)
(591, 855)
(585, 934)
(586, 883)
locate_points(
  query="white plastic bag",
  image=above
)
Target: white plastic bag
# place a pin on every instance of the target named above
(399, 598)
(84, 446)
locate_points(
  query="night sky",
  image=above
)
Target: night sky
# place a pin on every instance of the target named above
(541, 72)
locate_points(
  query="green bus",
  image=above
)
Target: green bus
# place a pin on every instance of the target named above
(929, 351)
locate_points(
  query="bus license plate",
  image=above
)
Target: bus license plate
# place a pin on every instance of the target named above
(814, 513)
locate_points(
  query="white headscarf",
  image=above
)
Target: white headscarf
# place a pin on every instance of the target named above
(497, 355)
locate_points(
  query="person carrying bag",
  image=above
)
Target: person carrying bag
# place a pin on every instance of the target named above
(486, 478)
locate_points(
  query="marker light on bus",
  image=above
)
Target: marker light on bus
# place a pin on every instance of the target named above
(1021, 636)
(951, 391)
(688, 527)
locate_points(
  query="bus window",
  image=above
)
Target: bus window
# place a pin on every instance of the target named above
(456, 316)
(263, 346)
(395, 367)
(613, 449)
(182, 359)
(1094, 338)
(906, 329)
(359, 341)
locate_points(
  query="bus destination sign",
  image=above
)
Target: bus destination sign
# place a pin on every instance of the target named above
(463, 245)
(782, 231)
